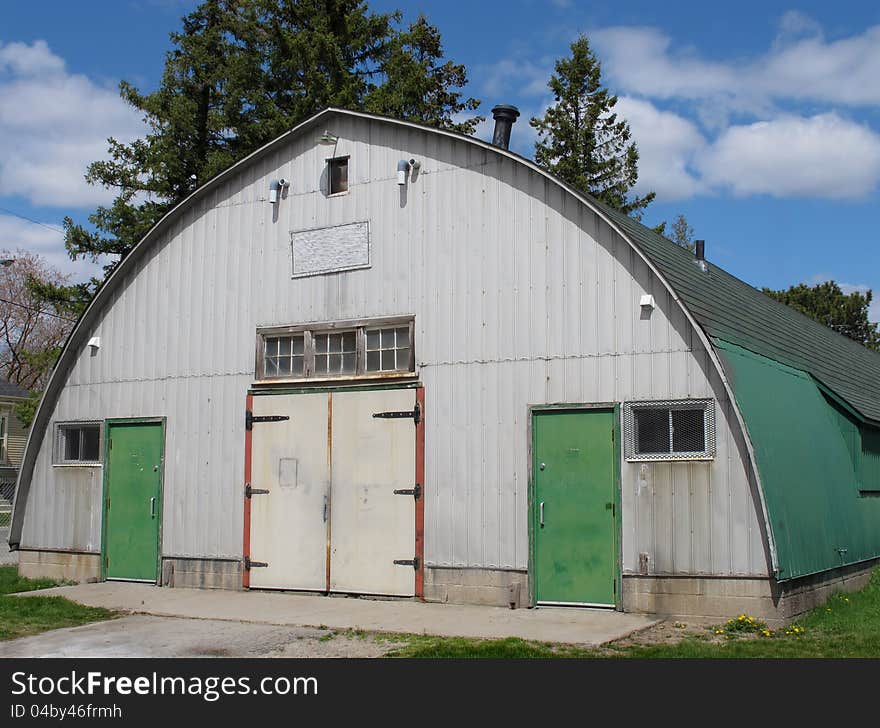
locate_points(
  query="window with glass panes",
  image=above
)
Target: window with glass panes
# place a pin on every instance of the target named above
(388, 349)
(335, 353)
(77, 443)
(372, 349)
(669, 430)
(285, 356)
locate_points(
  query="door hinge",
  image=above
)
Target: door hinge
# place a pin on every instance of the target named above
(250, 419)
(248, 564)
(415, 492)
(248, 491)
(408, 562)
(416, 414)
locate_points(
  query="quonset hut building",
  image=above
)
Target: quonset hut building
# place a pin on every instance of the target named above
(379, 358)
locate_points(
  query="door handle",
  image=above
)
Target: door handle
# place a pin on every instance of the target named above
(152, 507)
(541, 509)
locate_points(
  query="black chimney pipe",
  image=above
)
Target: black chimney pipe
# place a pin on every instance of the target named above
(700, 249)
(505, 117)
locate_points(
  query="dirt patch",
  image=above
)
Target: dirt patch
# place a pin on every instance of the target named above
(337, 645)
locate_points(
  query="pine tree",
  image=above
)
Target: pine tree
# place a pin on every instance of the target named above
(240, 73)
(581, 140)
(417, 87)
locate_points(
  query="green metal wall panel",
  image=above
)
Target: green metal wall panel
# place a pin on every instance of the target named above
(870, 459)
(804, 452)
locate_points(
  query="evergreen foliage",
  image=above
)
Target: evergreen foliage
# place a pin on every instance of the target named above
(582, 140)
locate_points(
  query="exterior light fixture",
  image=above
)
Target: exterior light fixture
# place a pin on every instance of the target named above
(327, 138)
(402, 171)
(276, 188)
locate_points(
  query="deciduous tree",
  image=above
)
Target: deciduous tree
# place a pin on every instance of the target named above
(31, 329)
(829, 305)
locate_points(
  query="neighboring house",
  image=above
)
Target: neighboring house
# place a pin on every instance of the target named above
(13, 435)
(390, 359)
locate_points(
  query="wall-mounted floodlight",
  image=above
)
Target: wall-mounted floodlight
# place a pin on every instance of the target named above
(647, 301)
(402, 170)
(275, 187)
(94, 344)
(327, 138)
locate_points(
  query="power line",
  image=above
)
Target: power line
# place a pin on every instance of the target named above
(35, 222)
(37, 310)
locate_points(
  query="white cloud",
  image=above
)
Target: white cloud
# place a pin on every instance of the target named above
(794, 25)
(639, 60)
(16, 233)
(801, 65)
(668, 145)
(509, 76)
(52, 124)
(874, 308)
(819, 156)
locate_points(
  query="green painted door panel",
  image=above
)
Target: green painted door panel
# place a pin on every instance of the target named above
(133, 506)
(574, 507)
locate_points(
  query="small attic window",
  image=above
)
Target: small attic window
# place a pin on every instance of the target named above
(337, 175)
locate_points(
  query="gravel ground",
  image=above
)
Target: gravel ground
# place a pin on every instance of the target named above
(6, 556)
(147, 636)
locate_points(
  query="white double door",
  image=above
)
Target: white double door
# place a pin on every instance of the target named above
(331, 520)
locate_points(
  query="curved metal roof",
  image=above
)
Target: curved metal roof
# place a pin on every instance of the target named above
(663, 258)
(731, 310)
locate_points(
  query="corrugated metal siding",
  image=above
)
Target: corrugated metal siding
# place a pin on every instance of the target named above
(521, 295)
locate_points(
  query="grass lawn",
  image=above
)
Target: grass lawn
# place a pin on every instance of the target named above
(847, 626)
(21, 616)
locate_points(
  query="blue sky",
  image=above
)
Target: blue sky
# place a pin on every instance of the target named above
(760, 121)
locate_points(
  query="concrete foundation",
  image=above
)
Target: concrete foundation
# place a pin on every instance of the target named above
(802, 595)
(64, 565)
(703, 598)
(719, 598)
(491, 587)
(201, 573)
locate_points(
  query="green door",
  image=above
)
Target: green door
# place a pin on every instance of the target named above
(574, 516)
(133, 504)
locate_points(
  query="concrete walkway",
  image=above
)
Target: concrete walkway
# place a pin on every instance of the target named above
(582, 626)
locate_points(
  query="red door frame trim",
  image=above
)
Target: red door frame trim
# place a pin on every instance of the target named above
(248, 438)
(420, 502)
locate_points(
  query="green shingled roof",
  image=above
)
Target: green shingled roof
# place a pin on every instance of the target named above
(731, 310)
